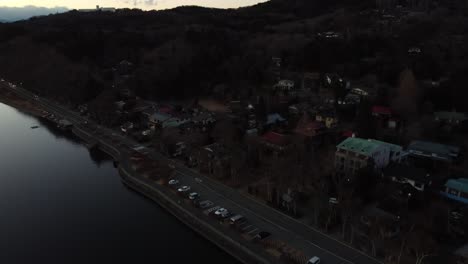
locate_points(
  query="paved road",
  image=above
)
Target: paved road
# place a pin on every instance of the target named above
(262, 218)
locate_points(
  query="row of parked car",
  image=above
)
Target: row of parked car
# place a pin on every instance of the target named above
(236, 221)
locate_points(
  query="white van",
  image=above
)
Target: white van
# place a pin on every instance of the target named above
(314, 260)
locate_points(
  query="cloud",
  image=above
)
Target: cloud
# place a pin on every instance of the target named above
(19, 13)
(139, 3)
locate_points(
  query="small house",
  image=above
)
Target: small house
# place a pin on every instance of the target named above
(457, 189)
(452, 118)
(433, 151)
(275, 142)
(284, 85)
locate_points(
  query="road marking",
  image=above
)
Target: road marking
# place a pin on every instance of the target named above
(74, 117)
(274, 224)
(252, 231)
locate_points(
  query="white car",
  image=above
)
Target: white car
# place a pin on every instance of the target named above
(184, 189)
(314, 260)
(221, 211)
(193, 196)
(173, 182)
(198, 180)
(333, 200)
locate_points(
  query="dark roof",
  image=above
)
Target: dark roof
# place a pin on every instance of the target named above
(408, 172)
(275, 139)
(309, 128)
(433, 150)
(381, 110)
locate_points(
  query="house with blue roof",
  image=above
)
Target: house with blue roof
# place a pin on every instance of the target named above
(274, 119)
(457, 189)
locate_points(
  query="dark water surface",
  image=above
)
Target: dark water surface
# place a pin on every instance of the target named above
(59, 203)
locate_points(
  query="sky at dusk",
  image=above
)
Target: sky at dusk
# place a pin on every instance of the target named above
(143, 4)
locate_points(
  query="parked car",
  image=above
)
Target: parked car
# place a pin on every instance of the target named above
(333, 200)
(205, 204)
(221, 211)
(183, 189)
(314, 260)
(237, 219)
(211, 210)
(173, 182)
(262, 235)
(193, 196)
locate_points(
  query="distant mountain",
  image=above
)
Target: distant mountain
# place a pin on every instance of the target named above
(10, 14)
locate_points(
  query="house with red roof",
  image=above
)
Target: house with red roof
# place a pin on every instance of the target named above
(275, 141)
(309, 128)
(381, 111)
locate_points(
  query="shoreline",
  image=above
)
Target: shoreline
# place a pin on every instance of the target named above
(185, 214)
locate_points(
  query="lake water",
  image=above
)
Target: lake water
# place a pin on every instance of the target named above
(60, 203)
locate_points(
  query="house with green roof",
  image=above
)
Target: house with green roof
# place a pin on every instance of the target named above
(355, 153)
(457, 189)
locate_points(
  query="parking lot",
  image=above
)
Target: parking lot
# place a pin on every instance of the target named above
(216, 208)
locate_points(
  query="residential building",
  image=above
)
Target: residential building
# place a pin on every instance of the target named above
(453, 118)
(406, 174)
(158, 119)
(275, 141)
(309, 128)
(214, 159)
(355, 153)
(381, 111)
(275, 119)
(284, 85)
(326, 114)
(203, 119)
(457, 189)
(300, 108)
(162, 120)
(311, 81)
(433, 151)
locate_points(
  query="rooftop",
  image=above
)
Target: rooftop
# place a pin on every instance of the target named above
(160, 117)
(381, 110)
(308, 128)
(444, 115)
(275, 138)
(458, 184)
(433, 150)
(274, 118)
(365, 146)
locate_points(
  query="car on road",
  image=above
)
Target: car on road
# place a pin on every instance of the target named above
(173, 182)
(314, 260)
(184, 189)
(193, 196)
(198, 180)
(262, 235)
(205, 204)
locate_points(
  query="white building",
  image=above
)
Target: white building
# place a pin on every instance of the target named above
(285, 85)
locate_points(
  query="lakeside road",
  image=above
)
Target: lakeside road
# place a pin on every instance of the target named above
(263, 218)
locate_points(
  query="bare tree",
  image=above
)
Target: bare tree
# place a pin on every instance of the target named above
(408, 96)
(421, 244)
